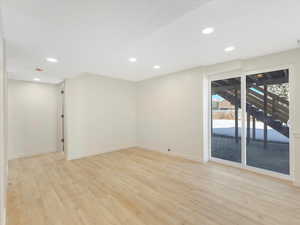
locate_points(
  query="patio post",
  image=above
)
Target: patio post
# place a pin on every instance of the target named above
(265, 115)
(253, 128)
(248, 128)
(236, 115)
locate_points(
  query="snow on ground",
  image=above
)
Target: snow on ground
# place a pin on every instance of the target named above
(226, 127)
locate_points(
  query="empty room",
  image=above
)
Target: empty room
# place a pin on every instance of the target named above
(150, 112)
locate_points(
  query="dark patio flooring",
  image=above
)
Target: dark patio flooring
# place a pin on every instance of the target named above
(275, 157)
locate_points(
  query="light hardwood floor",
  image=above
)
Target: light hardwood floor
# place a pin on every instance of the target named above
(134, 186)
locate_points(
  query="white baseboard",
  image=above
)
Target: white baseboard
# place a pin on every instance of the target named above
(106, 150)
(25, 155)
(173, 153)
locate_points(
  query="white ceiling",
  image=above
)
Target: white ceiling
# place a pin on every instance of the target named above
(98, 36)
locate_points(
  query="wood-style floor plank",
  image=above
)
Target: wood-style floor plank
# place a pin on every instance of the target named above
(140, 187)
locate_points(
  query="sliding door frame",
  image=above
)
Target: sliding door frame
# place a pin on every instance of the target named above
(243, 75)
(224, 161)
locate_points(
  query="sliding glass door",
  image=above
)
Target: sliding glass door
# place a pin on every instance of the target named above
(267, 117)
(226, 119)
(249, 121)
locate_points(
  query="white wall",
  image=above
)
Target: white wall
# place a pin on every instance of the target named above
(170, 108)
(3, 135)
(100, 115)
(3, 129)
(32, 118)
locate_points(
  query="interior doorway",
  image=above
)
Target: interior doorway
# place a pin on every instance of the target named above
(249, 117)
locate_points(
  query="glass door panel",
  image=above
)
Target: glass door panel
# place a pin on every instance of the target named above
(267, 133)
(226, 119)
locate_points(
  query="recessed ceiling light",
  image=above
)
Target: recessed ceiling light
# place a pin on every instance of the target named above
(208, 30)
(53, 60)
(37, 79)
(156, 67)
(132, 59)
(229, 49)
